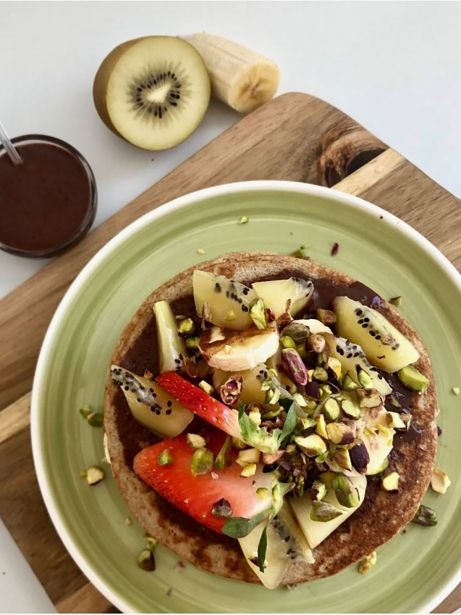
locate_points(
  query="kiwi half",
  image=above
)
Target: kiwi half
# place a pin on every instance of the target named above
(152, 91)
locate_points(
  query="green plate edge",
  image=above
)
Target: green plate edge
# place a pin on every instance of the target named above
(374, 247)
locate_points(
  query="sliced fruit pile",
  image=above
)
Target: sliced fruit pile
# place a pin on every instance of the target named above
(295, 413)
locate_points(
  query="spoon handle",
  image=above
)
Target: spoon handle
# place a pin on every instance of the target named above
(9, 147)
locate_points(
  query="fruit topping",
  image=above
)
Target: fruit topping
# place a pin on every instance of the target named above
(151, 405)
(281, 296)
(413, 379)
(228, 301)
(384, 346)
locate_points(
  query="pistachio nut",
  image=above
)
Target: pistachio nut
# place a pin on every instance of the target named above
(201, 462)
(294, 366)
(331, 409)
(258, 314)
(440, 481)
(367, 562)
(391, 482)
(311, 445)
(340, 433)
(195, 440)
(322, 511)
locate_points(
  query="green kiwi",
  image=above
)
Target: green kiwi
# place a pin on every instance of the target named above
(152, 91)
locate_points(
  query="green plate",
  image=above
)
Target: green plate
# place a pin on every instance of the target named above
(415, 570)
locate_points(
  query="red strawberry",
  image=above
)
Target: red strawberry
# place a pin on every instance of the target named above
(196, 495)
(197, 401)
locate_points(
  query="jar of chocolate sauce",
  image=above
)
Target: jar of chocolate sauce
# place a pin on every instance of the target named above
(48, 202)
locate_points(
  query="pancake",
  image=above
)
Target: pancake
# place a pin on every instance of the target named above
(382, 515)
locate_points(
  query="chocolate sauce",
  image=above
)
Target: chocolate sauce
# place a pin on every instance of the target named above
(49, 201)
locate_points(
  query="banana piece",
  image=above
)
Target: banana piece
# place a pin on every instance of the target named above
(241, 78)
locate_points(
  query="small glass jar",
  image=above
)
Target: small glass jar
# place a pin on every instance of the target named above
(47, 203)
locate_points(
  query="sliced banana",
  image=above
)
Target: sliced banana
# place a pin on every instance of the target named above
(241, 78)
(240, 350)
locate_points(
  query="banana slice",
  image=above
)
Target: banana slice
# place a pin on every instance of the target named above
(241, 78)
(238, 350)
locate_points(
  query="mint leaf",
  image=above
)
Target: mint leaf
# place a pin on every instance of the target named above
(238, 527)
(262, 548)
(289, 425)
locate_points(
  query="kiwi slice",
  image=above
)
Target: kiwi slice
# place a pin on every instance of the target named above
(152, 91)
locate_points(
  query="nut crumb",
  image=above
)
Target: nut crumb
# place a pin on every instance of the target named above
(128, 521)
(440, 481)
(367, 562)
(243, 220)
(456, 390)
(397, 301)
(200, 251)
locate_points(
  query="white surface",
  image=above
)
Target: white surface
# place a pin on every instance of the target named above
(115, 595)
(20, 590)
(395, 67)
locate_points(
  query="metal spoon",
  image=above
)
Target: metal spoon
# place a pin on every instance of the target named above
(9, 147)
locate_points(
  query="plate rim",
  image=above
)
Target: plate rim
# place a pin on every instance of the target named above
(163, 210)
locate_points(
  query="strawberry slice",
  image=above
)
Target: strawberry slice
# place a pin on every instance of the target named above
(196, 495)
(197, 401)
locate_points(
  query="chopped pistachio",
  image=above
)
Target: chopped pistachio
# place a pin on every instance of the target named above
(395, 402)
(397, 301)
(340, 433)
(322, 511)
(255, 416)
(327, 478)
(325, 391)
(263, 492)
(367, 562)
(128, 521)
(272, 413)
(151, 543)
(165, 458)
(369, 398)
(248, 470)
(456, 390)
(350, 408)
(94, 475)
(425, 516)
(258, 314)
(394, 420)
(86, 410)
(307, 422)
(349, 500)
(391, 482)
(348, 383)
(342, 458)
(287, 342)
(223, 458)
(331, 409)
(205, 386)
(322, 457)
(311, 445)
(273, 396)
(339, 482)
(335, 366)
(201, 462)
(200, 251)
(301, 252)
(440, 481)
(413, 379)
(365, 379)
(146, 560)
(321, 426)
(243, 220)
(186, 326)
(238, 444)
(95, 419)
(320, 374)
(192, 342)
(195, 440)
(319, 489)
(300, 400)
(249, 455)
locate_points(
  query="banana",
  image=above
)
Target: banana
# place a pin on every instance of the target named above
(241, 78)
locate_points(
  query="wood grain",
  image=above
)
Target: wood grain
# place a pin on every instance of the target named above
(295, 137)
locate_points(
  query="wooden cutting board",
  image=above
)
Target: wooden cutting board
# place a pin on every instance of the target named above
(294, 137)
